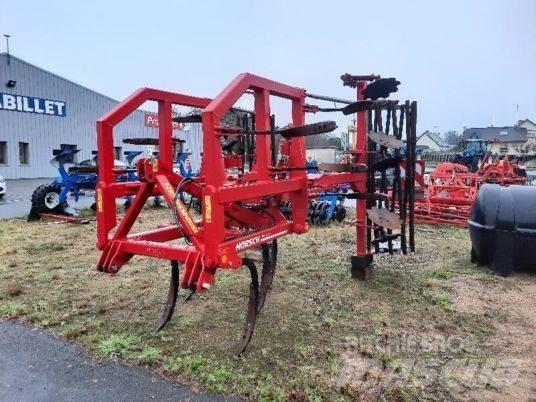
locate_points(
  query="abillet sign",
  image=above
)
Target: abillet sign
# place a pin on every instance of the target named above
(30, 104)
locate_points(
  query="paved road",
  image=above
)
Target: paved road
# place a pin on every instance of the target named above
(35, 366)
(17, 203)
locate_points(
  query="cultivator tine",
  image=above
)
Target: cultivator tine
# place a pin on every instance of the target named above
(189, 295)
(384, 218)
(348, 109)
(386, 140)
(171, 298)
(308, 129)
(253, 303)
(412, 141)
(381, 88)
(269, 259)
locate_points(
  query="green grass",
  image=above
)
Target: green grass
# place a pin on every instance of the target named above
(441, 274)
(116, 345)
(442, 300)
(11, 309)
(149, 355)
(315, 339)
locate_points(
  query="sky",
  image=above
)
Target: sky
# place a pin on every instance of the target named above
(466, 63)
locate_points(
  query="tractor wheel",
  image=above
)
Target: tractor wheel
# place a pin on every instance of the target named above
(46, 198)
(157, 202)
(340, 213)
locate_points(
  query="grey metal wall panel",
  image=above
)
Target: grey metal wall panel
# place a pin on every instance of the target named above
(194, 143)
(46, 133)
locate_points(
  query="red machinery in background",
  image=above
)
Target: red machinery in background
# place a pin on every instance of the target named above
(240, 211)
(452, 188)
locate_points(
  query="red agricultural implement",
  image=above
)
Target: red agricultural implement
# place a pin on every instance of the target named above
(240, 207)
(452, 189)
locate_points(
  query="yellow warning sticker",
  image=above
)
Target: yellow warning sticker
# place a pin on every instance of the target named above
(186, 216)
(99, 200)
(208, 209)
(169, 190)
(155, 165)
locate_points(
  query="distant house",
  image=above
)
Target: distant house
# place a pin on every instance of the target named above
(503, 140)
(531, 129)
(432, 141)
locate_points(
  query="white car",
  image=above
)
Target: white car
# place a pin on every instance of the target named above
(2, 187)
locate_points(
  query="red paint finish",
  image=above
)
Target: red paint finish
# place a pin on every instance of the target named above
(227, 226)
(360, 155)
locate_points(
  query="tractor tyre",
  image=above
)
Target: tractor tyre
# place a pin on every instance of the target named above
(340, 213)
(157, 202)
(46, 198)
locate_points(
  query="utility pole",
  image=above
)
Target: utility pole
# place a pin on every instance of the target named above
(7, 48)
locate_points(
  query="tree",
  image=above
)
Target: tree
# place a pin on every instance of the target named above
(452, 137)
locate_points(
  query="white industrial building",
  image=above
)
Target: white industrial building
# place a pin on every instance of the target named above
(41, 112)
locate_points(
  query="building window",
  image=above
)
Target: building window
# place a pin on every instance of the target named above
(503, 132)
(24, 153)
(118, 153)
(69, 147)
(3, 153)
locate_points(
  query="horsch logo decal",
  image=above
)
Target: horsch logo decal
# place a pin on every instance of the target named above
(253, 241)
(248, 243)
(30, 104)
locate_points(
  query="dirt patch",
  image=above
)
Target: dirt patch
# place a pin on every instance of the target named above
(511, 369)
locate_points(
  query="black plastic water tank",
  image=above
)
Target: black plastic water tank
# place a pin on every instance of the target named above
(503, 228)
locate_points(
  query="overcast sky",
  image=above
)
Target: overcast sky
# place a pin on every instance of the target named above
(467, 63)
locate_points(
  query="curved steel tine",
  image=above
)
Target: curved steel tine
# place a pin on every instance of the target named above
(189, 294)
(251, 314)
(274, 261)
(171, 298)
(269, 256)
(266, 274)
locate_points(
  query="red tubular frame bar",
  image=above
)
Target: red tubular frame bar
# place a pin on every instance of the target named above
(211, 246)
(361, 152)
(107, 189)
(215, 188)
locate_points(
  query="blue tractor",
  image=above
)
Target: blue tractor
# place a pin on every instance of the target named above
(472, 153)
(73, 180)
(130, 174)
(184, 168)
(52, 197)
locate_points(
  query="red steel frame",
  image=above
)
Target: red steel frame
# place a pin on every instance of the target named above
(361, 152)
(213, 242)
(449, 200)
